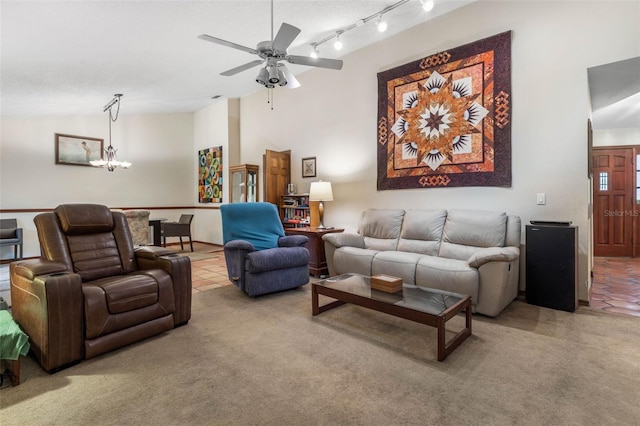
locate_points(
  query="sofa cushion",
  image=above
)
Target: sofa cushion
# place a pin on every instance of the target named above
(448, 274)
(421, 231)
(353, 259)
(396, 263)
(466, 231)
(381, 228)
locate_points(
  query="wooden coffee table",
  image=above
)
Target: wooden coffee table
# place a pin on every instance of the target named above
(424, 305)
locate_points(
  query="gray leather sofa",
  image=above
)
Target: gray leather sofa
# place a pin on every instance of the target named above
(472, 252)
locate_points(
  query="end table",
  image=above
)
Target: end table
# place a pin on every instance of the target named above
(315, 245)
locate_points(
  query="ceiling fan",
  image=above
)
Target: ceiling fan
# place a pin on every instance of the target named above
(273, 52)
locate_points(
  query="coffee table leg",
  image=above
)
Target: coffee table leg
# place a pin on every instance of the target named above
(314, 301)
(445, 348)
(442, 352)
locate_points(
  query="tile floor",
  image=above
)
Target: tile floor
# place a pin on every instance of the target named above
(208, 269)
(615, 286)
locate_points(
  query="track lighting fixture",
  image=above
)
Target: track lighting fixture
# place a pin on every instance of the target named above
(380, 24)
(314, 53)
(338, 44)
(427, 5)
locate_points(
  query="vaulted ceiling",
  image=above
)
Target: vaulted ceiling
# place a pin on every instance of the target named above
(615, 94)
(71, 57)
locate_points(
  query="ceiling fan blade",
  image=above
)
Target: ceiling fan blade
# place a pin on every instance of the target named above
(292, 82)
(334, 64)
(236, 70)
(226, 43)
(286, 34)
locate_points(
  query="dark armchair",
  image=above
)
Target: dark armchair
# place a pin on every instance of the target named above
(181, 228)
(90, 292)
(11, 235)
(260, 258)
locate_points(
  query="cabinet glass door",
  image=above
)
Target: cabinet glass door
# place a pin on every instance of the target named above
(243, 183)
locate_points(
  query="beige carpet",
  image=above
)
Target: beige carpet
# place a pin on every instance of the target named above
(268, 361)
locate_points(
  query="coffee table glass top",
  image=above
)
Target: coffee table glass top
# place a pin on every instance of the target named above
(428, 300)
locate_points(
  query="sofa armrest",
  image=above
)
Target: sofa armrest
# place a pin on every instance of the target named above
(293, 241)
(151, 252)
(493, 254)
(32, 268)
(341, 239)
(179, 268)
(46, 301)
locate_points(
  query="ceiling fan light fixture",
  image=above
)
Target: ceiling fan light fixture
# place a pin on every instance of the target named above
(263, 76)
(273, 75)
(282, 81)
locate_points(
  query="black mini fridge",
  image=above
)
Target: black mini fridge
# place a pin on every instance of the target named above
(552, 266)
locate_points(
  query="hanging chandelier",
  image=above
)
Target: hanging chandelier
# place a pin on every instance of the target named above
(110, 159)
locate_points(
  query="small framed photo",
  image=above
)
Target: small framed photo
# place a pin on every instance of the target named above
(309, 167)
(78, 150)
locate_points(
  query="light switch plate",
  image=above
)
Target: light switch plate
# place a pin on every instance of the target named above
(541, 198)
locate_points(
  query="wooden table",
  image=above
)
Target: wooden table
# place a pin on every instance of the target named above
(424, 305)
(317, 258)
(156, 224)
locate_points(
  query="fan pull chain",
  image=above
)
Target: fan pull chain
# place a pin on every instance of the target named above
(270, 97)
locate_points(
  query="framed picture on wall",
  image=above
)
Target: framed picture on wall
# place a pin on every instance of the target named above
(78, 150)
(309, 167)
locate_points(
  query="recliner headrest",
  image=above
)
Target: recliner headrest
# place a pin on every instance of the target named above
(81, 219)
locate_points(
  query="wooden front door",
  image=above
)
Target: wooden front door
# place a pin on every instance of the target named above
(277, 175)
(613, 201)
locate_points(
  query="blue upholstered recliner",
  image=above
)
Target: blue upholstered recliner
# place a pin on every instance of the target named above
(260, 258)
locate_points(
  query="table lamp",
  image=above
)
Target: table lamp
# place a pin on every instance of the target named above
(321, 191)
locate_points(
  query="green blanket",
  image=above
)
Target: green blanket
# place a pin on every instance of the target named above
(13, 342)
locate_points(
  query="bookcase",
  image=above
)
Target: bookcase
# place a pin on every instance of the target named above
(295, 211)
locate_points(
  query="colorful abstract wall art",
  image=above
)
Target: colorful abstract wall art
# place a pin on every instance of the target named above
(210, 175)
(445, 120)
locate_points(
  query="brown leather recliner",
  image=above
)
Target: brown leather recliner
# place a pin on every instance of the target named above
(91, 292)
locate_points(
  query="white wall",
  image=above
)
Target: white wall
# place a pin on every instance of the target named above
(333, 115)
(211, 126)
(616, 137)
(159, 146)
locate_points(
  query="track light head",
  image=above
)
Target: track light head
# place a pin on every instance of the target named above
(427, 5)
(338, 44)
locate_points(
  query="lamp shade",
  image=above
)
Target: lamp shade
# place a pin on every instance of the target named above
(320, 191)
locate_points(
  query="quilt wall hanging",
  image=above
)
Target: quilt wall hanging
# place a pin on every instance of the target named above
(210, 175)
(445, 120)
